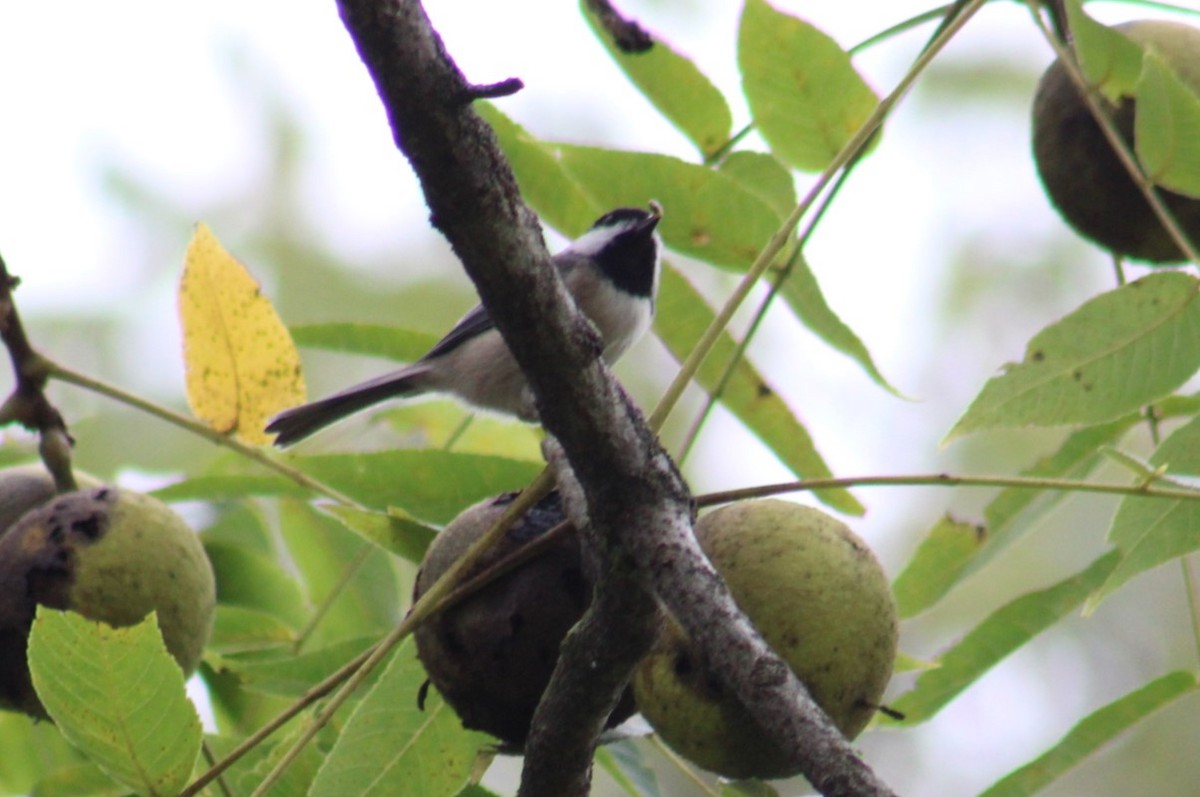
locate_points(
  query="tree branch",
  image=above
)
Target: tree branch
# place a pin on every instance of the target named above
(28, 404)
(635, 498)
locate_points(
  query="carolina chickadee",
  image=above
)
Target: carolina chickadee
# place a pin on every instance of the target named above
(612, 273)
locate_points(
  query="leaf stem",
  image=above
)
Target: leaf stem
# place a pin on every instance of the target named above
(1120, 148)
(314, 694)
(430, 602)
(739, 352)
(782, 236)
(1192, 588)
(1141, 489)
(56, 371)
(685, 768)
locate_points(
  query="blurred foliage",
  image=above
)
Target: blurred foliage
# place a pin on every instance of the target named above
(309, 579)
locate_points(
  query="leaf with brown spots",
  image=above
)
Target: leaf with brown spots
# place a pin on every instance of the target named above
(241, 364)
(1118, 352)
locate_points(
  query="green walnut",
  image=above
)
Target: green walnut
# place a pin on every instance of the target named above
(1082, 175)
(491, 656)
(111, 555)
(817, 594)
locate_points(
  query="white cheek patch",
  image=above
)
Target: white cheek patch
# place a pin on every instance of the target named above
(595, 240)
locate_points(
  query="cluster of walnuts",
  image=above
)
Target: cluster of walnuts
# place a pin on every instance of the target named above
(813, 588)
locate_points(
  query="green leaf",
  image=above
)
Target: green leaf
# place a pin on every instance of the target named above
(804, 296)
(1150, 531)
(1001, 633)
(1167, 127)
(237, 629)
(681, 320)
(1010, 512)
(253, 581)
(680, 91)
(435, 485)
(353, 581)
(1118, 352)
(805, 95)
(1092, 732)
(548, 188)
(117, 695)
(394, 531)
(230, 487)
(763, 174)
(936, 565)
(291, 675)
(391, 747)
(451, 426)
(373, 340)
(907, 663)
(706, 214)
(296, 780)
(1109, 60)
(625, 764)
(79, 780)
(475, 790)
(241, 523)
(32, 750)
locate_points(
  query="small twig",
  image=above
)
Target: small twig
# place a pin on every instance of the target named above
(490, 91)
(211, 759)
(258, 455)
(28, 405)
(848, 153)
(627, 34)
(322, 610)
(1141, 489)
(314, 694)
(760, 314)
(684, 767)
(431, 601)
(1191, 586)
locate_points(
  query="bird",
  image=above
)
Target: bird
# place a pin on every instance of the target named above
(611, 271)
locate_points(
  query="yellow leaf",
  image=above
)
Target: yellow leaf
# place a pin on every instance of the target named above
(242, 366)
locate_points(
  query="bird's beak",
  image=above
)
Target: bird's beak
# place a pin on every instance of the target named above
(656, 214)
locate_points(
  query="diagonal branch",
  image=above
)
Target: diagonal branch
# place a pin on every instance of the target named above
(635, 498)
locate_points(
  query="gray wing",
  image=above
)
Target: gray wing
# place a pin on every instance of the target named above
(475, 322)
(478, 320)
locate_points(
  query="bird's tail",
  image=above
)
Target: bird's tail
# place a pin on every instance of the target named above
(297, 423)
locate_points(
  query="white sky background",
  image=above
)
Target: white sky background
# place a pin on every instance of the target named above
(147, 85)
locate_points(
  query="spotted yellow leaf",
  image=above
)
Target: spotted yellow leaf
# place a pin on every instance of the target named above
(241, 363)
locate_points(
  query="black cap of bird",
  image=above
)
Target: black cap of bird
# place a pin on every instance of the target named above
(612, 273)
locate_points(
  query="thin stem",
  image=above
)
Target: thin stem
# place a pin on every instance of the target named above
(459, 431)
(1190, 585)
(740, 352)
(314, 694)
(685, 769)
(430, 602)
(720, 152)
(322, 610)
(57, 371)
(1142, 489)
(901, 27)
(207, 752)
(781, 237)
(1163, 6)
